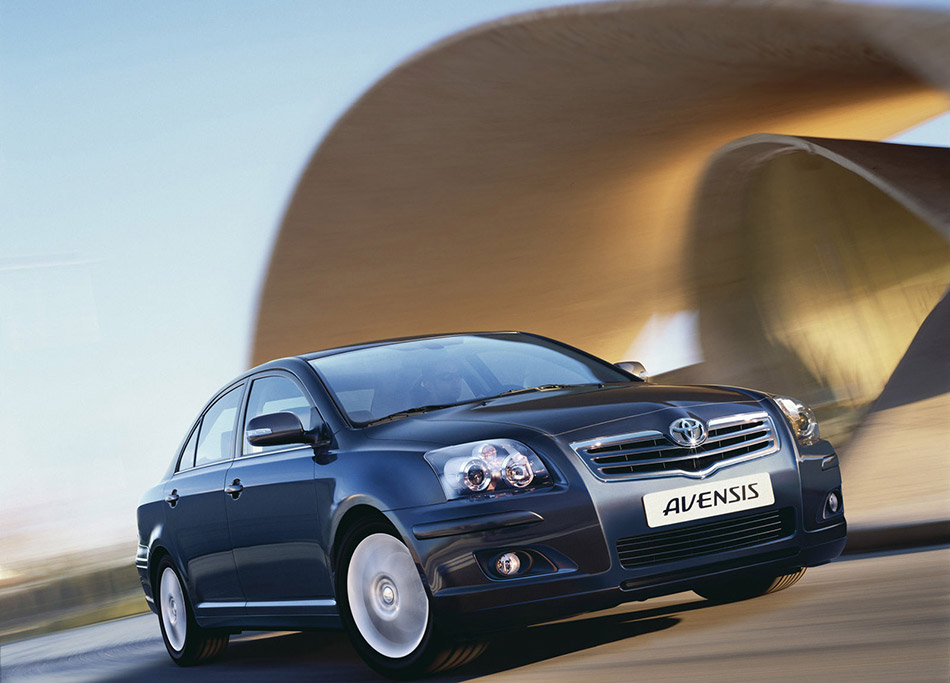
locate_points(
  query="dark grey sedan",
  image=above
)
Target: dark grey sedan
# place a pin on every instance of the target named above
(425, 492)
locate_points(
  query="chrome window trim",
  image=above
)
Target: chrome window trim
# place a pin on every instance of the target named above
(289, 449)
(205, 466)
(231, 461)
(579, 448)
(216, 463)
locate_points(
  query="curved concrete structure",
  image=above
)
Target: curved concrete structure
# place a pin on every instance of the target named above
(537, 173)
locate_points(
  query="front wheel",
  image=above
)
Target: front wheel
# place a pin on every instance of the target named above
(186, 642)
(746, 587)
(386, 609)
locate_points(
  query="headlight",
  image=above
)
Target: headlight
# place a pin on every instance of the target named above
(492, 467)
(801, 418)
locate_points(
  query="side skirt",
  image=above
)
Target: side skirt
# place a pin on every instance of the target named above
(270, 616)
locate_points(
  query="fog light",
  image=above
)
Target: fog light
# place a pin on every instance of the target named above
(508, 564)
(833, 505)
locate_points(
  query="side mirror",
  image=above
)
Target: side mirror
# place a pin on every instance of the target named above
(281, 429)
(634, 367)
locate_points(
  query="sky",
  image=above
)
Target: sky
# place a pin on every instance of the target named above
(147, 154)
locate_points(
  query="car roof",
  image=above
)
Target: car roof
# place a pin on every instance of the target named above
(385, 342)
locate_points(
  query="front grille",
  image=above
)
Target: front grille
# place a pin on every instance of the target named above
(706, 539)
(625, 456)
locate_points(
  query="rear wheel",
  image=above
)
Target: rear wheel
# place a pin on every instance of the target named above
(749, 586)
(386, 610)
(186, 642)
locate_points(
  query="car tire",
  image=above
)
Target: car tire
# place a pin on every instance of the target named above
(385, 607)
(747, 586)
(187, 643)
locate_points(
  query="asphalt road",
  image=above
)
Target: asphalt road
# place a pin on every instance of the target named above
(870, 618)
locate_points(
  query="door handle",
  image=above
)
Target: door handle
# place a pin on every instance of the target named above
(234, 490)
(172, 498)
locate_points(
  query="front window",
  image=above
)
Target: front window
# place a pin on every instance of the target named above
(276, 394)
(373, 383)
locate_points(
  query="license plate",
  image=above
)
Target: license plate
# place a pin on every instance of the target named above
(708, 500)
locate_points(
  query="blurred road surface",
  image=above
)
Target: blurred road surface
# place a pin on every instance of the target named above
(870, 618)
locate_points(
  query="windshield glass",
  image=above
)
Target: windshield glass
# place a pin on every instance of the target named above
(373, 383)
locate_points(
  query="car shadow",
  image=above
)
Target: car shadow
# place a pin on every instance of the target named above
(546, 641)
(540, 643)
(329, 656)
(263, 656)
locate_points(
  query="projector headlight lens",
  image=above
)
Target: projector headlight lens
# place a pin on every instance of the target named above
(800, 417)
(475, 475)
(493, 467)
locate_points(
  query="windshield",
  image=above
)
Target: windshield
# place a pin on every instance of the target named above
(373, 383)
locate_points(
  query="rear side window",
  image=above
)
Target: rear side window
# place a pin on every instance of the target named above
(188, 453)
(216, 432)
(275, 395)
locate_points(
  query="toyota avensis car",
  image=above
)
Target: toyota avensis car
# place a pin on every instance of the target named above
(425, 492)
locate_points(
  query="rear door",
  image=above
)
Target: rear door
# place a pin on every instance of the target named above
(196, 516)
(274, 523)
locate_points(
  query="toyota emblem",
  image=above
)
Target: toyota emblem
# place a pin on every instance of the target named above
(688, 431)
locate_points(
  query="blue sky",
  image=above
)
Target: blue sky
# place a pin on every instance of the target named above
(147, 153)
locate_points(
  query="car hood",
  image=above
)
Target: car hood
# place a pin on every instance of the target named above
(575, 413)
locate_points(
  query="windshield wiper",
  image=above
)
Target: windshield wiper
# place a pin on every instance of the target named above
(511, 392)
(541, 387)
(408, 412)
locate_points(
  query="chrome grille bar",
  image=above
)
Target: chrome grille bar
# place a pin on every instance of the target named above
(692, 454)
(715, 436)
(732, 439)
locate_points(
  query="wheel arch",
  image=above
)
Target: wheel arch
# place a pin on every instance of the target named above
(358, 512)
(154, 560)
(156, 555)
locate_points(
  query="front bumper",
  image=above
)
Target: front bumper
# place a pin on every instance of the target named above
(575, 531)
(564, 596)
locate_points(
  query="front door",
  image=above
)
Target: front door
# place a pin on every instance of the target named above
(274, 523)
